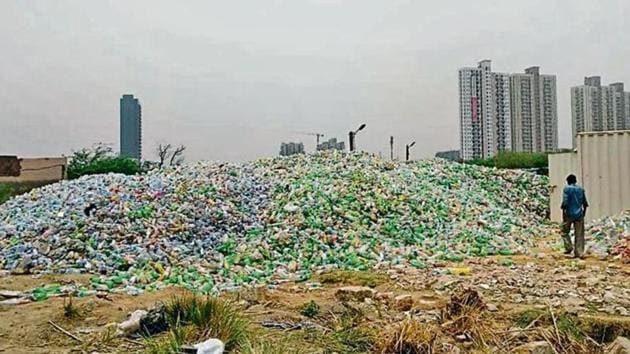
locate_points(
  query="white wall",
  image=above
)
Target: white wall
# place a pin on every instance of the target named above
(602, 166)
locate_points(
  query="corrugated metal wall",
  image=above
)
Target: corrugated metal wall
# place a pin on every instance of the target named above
(560, 166)
(602, 166)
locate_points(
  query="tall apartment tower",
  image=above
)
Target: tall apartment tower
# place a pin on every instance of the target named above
(506, 112)
(484, 109)
(470, 99)
(130, 127)
(523, 120)
(598, 108)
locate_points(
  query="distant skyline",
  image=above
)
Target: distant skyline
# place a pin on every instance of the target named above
(232, 80)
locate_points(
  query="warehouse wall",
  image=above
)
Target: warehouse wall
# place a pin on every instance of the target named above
(560, 166)
(38, 170)
(602, 165)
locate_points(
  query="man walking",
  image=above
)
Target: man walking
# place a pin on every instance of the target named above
(574, 206)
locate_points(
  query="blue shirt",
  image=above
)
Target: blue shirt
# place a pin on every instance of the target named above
(574, 201)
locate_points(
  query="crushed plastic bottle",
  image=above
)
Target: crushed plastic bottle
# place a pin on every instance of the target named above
(610, 236)
(218, 226)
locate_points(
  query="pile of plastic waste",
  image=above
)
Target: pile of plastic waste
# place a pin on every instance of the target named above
(214, 226)
(610, 236)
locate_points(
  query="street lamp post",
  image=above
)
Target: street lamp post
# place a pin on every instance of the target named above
(352, 134)
(407, 150)
(391, 148)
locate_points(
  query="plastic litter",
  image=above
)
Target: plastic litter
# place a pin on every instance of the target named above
(211, 346)
(213, 227)
(132, 324)
(610, 236)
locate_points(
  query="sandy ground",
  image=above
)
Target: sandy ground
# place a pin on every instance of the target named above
(508, 284)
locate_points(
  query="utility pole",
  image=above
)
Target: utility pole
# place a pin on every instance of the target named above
(351, 137)
(352, 134)
(391, 148)
(407, 150)
(318, 136)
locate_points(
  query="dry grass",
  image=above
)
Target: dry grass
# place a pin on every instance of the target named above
(562, 342)
(409, 337)
(465, 316)
(605, 329)
(350, 332)
(565, 332)
(263, 347)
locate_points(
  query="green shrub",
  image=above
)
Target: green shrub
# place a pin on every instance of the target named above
(101, 159)
(508, 159)
(12, 189)
(122, 165)
(6, 192)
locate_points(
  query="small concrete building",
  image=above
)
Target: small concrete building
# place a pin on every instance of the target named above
(43, 169)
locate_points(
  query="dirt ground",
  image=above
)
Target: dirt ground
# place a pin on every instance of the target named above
(508, 285)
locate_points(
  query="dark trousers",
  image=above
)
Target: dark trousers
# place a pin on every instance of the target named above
(578, 228)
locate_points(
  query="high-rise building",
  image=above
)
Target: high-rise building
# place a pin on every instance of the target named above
(549, 114)
(502, 111)
(598, 108)
(618, 101)
(288, 149)
(130, 127)
(331, 144)
(522, 112)
(506, 112)
(471, 134)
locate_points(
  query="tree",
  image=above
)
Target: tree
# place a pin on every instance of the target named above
(177, 157)
(174, 155)
(97, 152)
(163, 152)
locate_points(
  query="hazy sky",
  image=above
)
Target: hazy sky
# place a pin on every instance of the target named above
(232, 79)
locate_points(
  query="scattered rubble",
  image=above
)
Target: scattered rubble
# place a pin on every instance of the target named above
(621, 345)
(354, 293)
(403, 302)
(539, 347)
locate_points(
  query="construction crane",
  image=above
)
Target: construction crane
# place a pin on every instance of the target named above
(317, 135)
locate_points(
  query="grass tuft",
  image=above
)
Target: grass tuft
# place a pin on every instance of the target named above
(262, 347)
(465, 315)
(70, 311)
(211, 317)
(409, 337)
(525, 318)
(350, 277)
(170, 344)
(310, 309)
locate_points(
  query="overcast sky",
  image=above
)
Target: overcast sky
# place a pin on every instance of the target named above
(232, 79)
